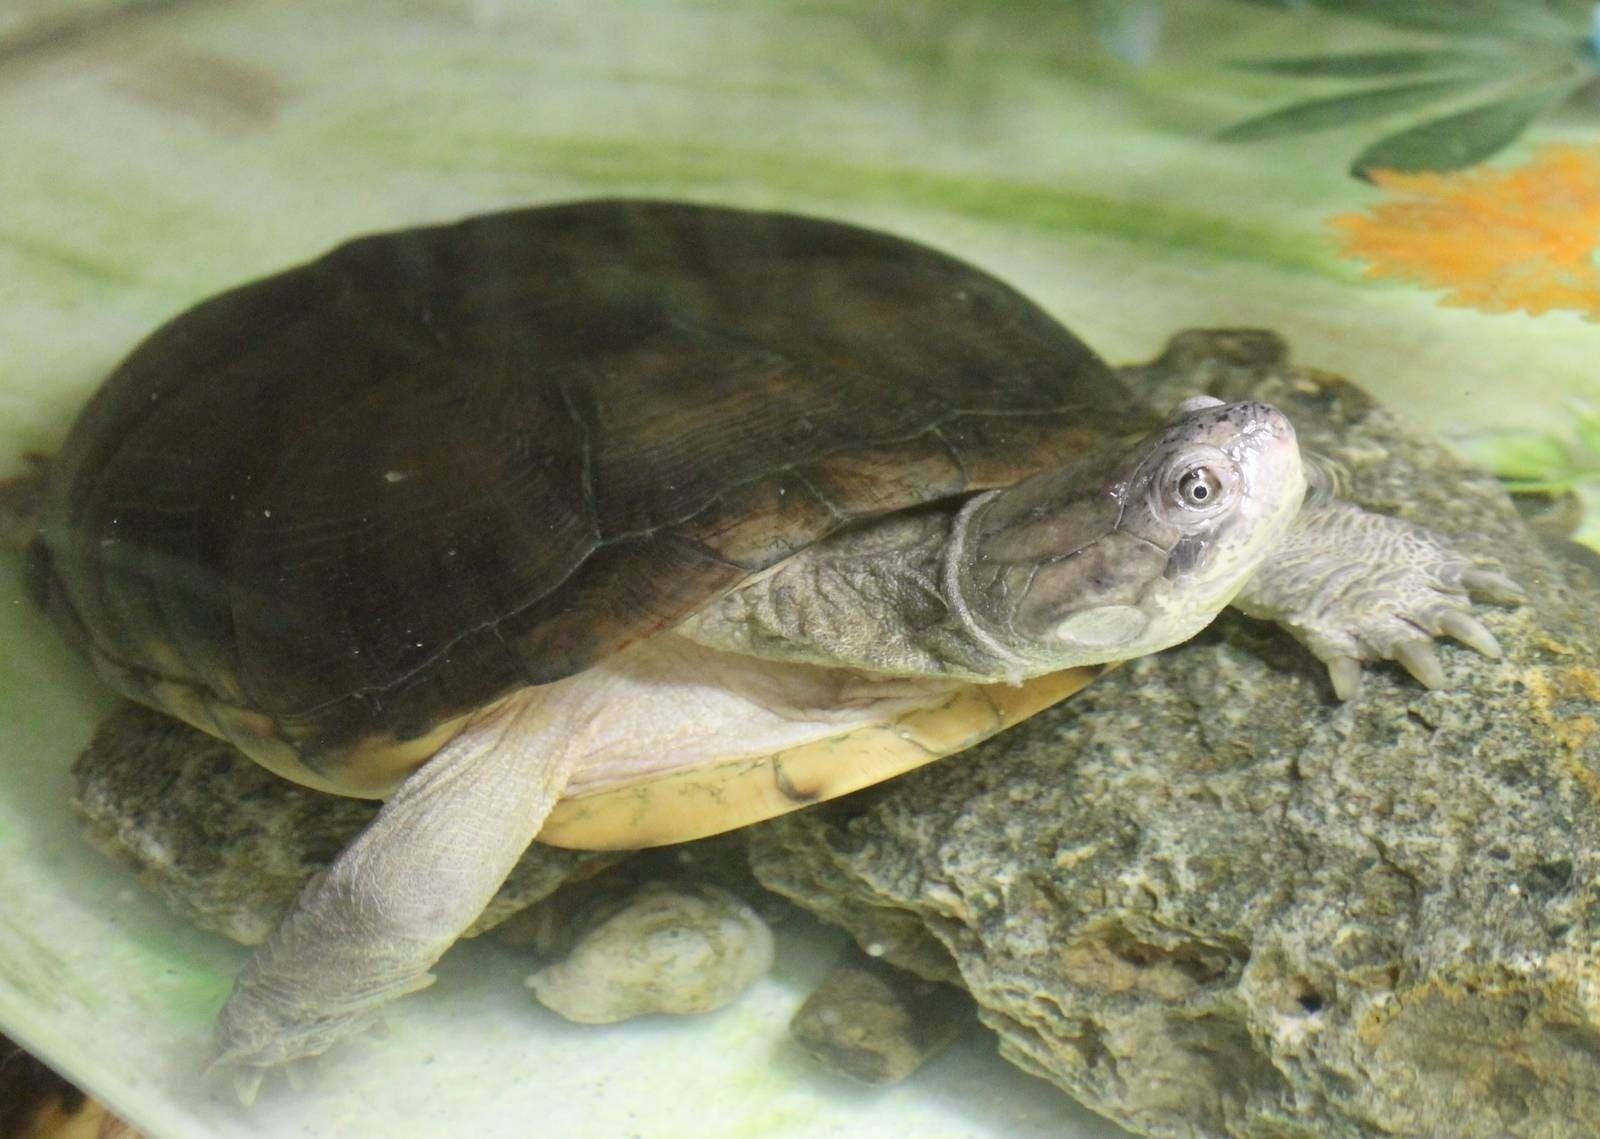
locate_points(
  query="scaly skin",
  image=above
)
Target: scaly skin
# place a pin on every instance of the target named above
(1354, 586)
(1095, 562)
(370, 927)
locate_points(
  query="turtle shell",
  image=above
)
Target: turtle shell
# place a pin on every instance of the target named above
(328, 514)
(676, 806)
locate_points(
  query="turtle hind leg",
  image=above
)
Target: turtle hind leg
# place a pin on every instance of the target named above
(1353, 586)
(370, 926)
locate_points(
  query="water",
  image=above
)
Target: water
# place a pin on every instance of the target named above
(156, 153)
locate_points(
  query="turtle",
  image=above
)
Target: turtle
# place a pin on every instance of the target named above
(621, 522)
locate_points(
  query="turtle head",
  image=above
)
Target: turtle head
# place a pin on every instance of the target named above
(1133, 549)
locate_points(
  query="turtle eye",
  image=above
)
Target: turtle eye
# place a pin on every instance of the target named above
(1199, 487)
(1194, 487)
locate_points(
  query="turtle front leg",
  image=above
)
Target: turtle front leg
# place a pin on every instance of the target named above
(370, 926)
(1355, 586)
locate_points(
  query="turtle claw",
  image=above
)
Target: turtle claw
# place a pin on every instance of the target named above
(247, 1084)
(1492, 586)
(1419, 659)
(1345, 675)
(1470, 632)
(247, 1078)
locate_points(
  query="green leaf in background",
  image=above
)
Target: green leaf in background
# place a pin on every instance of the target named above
(1458, 140)
(1514, 43)
(1579, 10)
(1526, 20)
(1373, 64)
(1524, 457)
(1129, 29)
(1534, 462)
(1340, 110)
(1588, 423)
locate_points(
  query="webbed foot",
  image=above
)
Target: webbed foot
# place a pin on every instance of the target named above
(276, 1022)
(1353, 586)
(247, 1080)
(370, 927)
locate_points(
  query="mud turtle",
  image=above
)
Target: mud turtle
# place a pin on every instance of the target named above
(623, 522)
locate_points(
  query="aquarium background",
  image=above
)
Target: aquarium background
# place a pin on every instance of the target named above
(1112, 160)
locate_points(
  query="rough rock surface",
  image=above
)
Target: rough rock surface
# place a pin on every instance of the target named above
(1208, 900)
(227, 844)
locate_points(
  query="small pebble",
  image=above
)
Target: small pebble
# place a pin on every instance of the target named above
(875, 1023)
(669, 947)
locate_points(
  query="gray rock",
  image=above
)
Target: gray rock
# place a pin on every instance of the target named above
(1208, 900)
(226, 844)
(877, 1024)
(665, 947)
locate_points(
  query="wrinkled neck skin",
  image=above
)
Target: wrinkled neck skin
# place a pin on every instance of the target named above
(1099, 561)
(1094, 563)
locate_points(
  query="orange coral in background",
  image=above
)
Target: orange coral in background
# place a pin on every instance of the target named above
(1499, 240)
